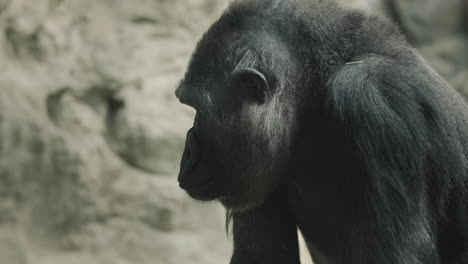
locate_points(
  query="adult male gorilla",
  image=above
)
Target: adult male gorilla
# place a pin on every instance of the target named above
(323, 118)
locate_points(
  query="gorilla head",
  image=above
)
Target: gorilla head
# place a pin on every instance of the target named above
(239, 145)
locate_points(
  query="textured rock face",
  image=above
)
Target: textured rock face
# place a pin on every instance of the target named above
(91, 134)
(438, 28)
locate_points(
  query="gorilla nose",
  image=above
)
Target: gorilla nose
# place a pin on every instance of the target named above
(189, 161)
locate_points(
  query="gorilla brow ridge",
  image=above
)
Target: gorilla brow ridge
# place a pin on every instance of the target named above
(248, 59)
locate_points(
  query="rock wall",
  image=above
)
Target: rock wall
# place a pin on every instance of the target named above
(91, 134)
(438, 28)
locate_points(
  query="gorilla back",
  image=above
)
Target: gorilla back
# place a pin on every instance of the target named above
(325, 119)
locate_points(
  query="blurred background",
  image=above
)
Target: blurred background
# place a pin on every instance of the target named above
(91, 133)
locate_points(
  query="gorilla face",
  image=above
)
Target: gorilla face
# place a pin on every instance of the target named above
(239, 143)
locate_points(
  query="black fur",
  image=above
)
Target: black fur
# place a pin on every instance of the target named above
(335, 126)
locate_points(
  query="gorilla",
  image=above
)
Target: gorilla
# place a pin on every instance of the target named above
(315, 117)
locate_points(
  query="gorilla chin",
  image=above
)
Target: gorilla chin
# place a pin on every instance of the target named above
(240, 203)
(202, 193)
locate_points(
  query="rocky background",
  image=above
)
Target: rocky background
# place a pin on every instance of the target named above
(91, 134)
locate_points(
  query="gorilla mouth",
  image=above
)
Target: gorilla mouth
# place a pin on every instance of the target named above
(191, 157)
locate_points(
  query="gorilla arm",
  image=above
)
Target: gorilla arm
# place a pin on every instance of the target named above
(382, 117)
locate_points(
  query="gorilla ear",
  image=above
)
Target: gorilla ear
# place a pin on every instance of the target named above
(253, 84)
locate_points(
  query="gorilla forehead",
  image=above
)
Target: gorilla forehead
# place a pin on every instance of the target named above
(220, 53)
(258, 34)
